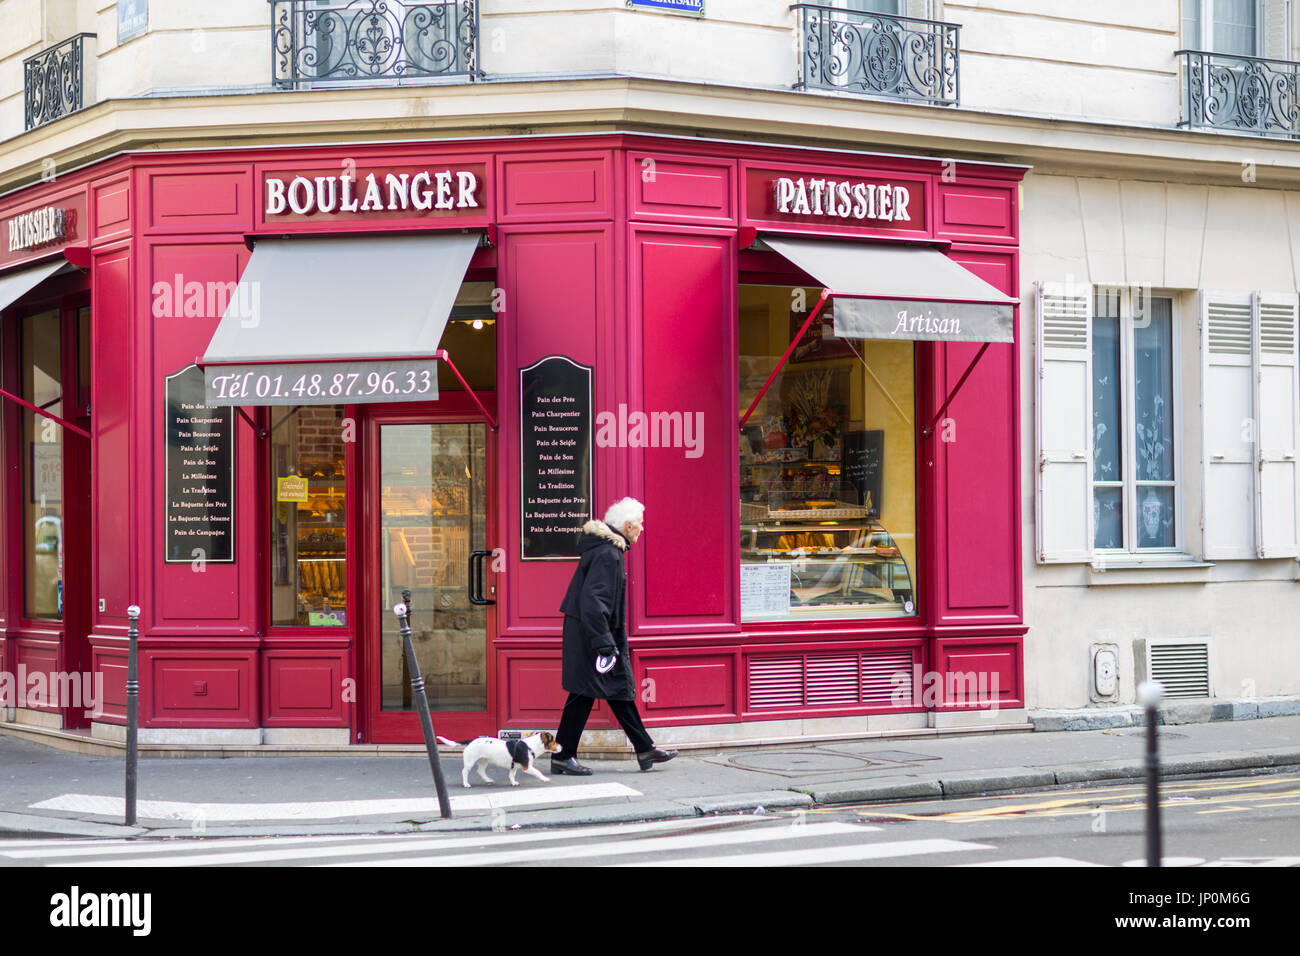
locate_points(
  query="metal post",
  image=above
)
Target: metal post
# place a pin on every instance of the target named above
(1149, 694)
(422, 705)
(132, 711)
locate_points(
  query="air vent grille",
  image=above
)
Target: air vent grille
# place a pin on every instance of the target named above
(822, 680)
(1183, 668)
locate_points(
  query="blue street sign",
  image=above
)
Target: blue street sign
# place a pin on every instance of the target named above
(132, 19)
(675, 6)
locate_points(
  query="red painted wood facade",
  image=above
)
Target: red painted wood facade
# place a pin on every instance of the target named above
(621, 252)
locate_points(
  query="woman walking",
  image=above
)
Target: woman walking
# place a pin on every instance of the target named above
(595, 655)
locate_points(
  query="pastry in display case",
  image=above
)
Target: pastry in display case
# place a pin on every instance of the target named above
(848, 561)
(801, 507)
(319, 523)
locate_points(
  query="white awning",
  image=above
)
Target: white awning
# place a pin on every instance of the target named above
(15, 285)
(324, 321)
(901, 292)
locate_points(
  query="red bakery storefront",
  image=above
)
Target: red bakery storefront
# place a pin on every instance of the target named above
(262, 393)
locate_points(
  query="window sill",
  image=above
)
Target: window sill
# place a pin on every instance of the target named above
(1155, 569)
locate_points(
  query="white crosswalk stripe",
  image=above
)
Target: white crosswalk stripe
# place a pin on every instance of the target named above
(712, 841)
(186, 851)
(691, 841)
(334, 809)
(832, 854)
(1035, 861)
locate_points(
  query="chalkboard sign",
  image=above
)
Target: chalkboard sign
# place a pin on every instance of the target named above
(862, 469)
(200, 502)
(554, 457)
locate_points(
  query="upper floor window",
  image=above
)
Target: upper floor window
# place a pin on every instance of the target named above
(1133, 410)
(1222, 26)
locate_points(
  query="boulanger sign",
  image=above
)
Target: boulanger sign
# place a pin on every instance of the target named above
(313, 195)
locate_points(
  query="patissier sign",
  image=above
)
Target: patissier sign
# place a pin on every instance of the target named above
(446, 190)
(40, 227)
(842, 199)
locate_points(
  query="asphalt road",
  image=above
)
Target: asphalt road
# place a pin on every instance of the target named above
(1224, 822)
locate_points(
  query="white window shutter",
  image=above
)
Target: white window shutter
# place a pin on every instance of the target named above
(1063, 422)
(1227, 425)
(1277, 484)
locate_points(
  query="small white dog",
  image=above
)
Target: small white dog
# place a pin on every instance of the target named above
(514, 754)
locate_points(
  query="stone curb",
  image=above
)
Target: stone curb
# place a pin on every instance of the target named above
(748, 802)
(1171, 714)
(897, 789)
(32, 825)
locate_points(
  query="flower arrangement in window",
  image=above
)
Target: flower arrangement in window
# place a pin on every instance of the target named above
(815, 414)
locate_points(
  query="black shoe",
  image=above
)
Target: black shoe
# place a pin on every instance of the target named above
(645, 760)
(570, 766)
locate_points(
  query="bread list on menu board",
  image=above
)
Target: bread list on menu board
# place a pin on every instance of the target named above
(555, 456)
(200, 474)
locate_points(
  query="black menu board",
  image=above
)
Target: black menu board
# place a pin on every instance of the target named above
(554, 457)
(200, 474)
(862, 469)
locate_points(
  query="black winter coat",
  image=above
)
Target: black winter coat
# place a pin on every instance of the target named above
(595, 611)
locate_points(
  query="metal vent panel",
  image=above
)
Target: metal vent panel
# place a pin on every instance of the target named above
(831, 680)
(887, 679)
(1183, 668)
(821, 680)
(776, 682)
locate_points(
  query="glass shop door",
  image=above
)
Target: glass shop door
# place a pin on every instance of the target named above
(428, 483)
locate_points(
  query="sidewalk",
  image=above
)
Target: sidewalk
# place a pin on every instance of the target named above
(48, 792)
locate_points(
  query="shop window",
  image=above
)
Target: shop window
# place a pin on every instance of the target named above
(470, 337)
(42, 468)
(308, 518)
(827, 467)
(1133, 473)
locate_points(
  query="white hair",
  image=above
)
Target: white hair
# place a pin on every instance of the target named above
(621, 512)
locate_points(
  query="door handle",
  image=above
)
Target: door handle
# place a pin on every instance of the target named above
(475, 582)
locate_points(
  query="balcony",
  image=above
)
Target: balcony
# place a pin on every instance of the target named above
(371, 41)
(1240, 94)
(899, 58)
(59, 80)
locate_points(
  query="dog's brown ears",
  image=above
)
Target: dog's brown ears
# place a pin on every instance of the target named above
(548, 738)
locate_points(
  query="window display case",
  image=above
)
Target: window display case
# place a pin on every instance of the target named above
(827, 467)
(839, 557)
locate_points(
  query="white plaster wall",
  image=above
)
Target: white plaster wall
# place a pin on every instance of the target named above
(1107, 60)
(1178, 238)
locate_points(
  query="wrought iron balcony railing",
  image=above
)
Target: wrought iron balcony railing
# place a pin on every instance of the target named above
(59, 80)
(1245, 94)
(319, 42)
(878, 55)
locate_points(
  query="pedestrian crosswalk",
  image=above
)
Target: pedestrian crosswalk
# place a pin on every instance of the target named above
(532, 797)
(712, 841)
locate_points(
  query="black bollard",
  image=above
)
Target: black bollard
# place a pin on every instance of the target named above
(132, 711)
(422, 705)
(1149, 695)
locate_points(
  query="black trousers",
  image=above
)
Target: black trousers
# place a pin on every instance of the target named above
(576, 711)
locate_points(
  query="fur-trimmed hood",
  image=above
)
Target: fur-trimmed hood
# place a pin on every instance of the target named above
(601, 530)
